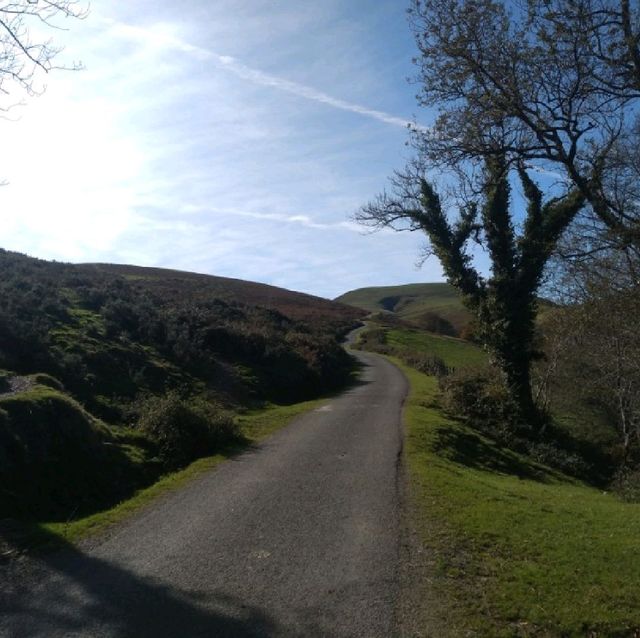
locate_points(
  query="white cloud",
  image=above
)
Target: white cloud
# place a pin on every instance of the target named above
(166, 153)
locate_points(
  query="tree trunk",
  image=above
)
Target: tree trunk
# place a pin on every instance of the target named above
(518, 379)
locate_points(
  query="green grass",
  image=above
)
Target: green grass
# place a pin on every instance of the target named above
(378, 297)
(410, 301)
(255, 425)
(454, 352)
(516, 549)
(74, 531)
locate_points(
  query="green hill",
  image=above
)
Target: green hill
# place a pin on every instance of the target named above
(416, 303)
(124, 346)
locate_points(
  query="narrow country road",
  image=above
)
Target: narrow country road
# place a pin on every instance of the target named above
(299, 537)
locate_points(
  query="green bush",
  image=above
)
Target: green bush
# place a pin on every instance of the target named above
(42, 378)
(481, 397)
(626, 483)
(185, 430)
(430, 364)
(54, 456)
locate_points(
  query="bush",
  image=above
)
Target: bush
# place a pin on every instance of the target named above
(375, 340)
(627, 483)
(53, 456)
(185, 430)
(554, 455)
(42, 378)
(427, 364)
(481, 397)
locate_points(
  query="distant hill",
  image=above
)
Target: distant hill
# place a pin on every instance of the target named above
(416, 303)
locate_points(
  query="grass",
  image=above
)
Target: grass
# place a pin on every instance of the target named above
(255, 425)
(411, 301)
(515, 549)
(380, 297)
(455, 353)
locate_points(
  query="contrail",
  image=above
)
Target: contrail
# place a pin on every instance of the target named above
(307, 92)
(250, 74)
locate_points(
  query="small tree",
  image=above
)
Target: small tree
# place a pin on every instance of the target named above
(503, 304)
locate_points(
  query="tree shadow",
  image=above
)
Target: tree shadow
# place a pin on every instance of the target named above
(467, 448)
(70, 593)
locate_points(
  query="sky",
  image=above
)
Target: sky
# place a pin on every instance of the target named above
(235, 138)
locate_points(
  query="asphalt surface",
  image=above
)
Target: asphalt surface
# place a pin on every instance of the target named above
(298, 537)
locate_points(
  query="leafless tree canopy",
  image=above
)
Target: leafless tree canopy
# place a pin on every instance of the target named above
(556, 83)
(23, 51)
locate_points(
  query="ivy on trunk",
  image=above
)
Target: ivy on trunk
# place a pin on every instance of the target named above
(504, 303)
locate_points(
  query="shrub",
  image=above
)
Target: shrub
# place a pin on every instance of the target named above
(481, 397)
(627, 483)
(551, 453)
(427, 364)
(185, 430)
(42, 378)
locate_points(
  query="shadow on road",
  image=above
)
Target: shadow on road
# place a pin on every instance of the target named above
(68, 593)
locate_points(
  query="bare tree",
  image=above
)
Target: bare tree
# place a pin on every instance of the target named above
(592, 343)
(23, 56)
(554, 81)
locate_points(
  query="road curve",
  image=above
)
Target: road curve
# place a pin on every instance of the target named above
(298, 537)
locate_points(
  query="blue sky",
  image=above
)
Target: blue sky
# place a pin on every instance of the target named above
(234, 137)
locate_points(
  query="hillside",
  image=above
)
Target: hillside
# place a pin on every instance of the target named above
(416, 303)
(169, 285)
(145, 366)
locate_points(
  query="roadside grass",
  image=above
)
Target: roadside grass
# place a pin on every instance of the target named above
(255, 425)
(515, 548)
(258, 424)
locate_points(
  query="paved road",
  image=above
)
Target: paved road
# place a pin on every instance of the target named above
(299, 537)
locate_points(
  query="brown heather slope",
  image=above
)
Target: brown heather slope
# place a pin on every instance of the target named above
(174, 285)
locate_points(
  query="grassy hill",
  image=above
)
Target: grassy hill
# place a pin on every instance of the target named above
(506, 545)
(412, 302)
(144, 366)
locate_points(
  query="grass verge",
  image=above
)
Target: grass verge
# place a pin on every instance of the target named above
(514, 548)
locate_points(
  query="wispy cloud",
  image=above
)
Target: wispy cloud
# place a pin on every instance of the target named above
(303, 220)
(160, 36)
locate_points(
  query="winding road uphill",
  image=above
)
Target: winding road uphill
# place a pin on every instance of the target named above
(297, 537)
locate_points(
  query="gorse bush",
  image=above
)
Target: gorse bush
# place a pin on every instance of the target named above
(184, 430)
